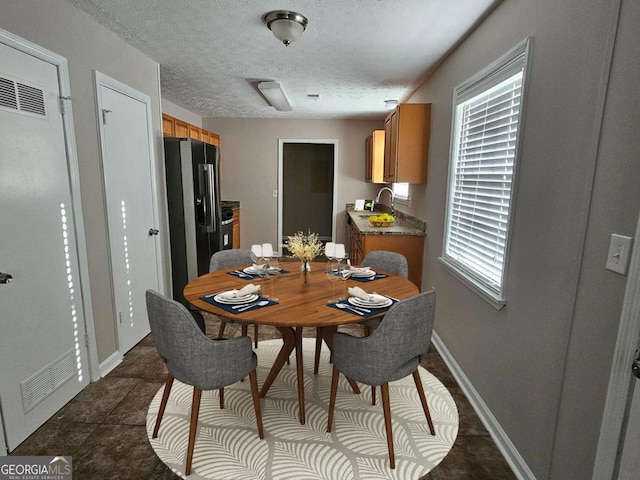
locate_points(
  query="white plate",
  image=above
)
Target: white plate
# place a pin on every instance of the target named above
(250, 270)
(363, 273)
(377, 301)
(222, 298)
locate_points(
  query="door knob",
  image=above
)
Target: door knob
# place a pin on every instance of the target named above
(635, 366)
(153, 231)
(5, 277)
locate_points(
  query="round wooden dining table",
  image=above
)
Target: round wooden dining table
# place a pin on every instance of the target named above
(298, 306)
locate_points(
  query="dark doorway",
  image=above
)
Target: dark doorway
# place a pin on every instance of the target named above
(308, 189)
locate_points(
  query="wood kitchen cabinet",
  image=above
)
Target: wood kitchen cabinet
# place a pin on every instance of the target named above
(374, 158)
(406, 150)
(411, 246)
(168, 126)
(195, 132)
(174, 127)
(181, 129)
(236, 229)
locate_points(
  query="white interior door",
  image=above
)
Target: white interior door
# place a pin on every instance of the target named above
(128, 167)
(630, 459)
(43, 355)
(617, 455)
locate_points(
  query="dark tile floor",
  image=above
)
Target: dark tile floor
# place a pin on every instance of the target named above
(103, 428)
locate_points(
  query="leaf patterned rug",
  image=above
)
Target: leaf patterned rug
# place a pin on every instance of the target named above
(228, 448)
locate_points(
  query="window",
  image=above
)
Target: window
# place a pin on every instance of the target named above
(401, 192)
(487, 117)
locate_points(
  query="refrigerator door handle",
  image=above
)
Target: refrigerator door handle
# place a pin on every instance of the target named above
(206, 202)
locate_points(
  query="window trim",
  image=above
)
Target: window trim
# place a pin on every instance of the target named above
(478, 83)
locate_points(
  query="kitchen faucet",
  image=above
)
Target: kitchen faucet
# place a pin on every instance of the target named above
(378, 198)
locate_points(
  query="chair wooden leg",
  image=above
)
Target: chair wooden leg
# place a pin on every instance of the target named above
(163, 404)
(316, 363)
(253, 378)
(368, 331)
(223, 324)
(255, 335)
(221, 391)
(332, 397)
(423, 400)
(245, 330)
(386, 407)
(193, 427)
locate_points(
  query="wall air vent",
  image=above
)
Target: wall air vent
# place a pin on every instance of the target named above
(46, 381)
(21, 98)
(8, 96)
(31, 99)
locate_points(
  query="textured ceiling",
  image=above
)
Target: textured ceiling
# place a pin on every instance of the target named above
(354, 54)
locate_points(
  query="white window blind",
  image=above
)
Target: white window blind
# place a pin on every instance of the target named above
(483, 157)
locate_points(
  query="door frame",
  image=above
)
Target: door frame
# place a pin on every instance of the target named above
(64, 84)
(319, 141)
(621, 381)
(100, 79)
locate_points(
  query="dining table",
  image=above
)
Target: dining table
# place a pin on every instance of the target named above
(294, 306)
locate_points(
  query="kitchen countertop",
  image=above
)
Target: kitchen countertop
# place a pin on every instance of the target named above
(234, 205)
(403, 225)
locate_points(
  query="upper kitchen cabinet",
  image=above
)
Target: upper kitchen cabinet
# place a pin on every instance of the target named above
(374, 164)
(174, 127)
(195, 132)
(168, 126)
(406, 150)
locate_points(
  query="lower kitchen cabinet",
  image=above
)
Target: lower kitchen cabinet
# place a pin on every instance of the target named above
(411, 246)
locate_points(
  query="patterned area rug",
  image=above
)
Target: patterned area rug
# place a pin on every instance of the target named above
(228, 448)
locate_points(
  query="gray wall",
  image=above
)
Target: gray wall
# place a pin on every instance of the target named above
(542, 363)
(57, 26)
(249, 167)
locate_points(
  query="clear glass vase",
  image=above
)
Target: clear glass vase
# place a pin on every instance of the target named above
(305, 272)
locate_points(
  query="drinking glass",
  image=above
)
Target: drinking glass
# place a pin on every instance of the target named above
(267, 251)
(332, 273)
(270, 272)
(256, 253)
(330, 250)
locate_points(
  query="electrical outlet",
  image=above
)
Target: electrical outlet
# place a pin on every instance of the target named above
(619, 253)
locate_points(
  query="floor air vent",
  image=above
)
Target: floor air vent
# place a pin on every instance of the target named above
(21, 98)
(47, 380)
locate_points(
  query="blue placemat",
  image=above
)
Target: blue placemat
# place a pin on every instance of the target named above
(355, 310)
(229, 308)
(250, 276)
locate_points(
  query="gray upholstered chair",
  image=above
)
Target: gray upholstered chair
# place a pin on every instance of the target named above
(390, 262)
(194, 359)
(228, 259)
(392, 352)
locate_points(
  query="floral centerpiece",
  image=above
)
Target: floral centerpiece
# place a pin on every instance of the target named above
(306, 248)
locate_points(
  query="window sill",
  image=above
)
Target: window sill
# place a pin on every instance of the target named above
(475, 286)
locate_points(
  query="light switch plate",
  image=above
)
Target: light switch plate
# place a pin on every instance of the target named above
(619, 253)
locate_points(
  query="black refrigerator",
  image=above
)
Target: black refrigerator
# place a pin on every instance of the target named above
(195, 215)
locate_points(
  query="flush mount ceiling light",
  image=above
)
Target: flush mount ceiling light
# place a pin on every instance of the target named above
(286, 26)
(390, 104)
(275, 96)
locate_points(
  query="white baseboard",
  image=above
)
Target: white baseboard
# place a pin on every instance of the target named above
(110, 363)
(504, 444)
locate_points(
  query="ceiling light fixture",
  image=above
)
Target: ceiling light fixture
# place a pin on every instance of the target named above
(390, 104)
(286, 26)
(275, 96)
